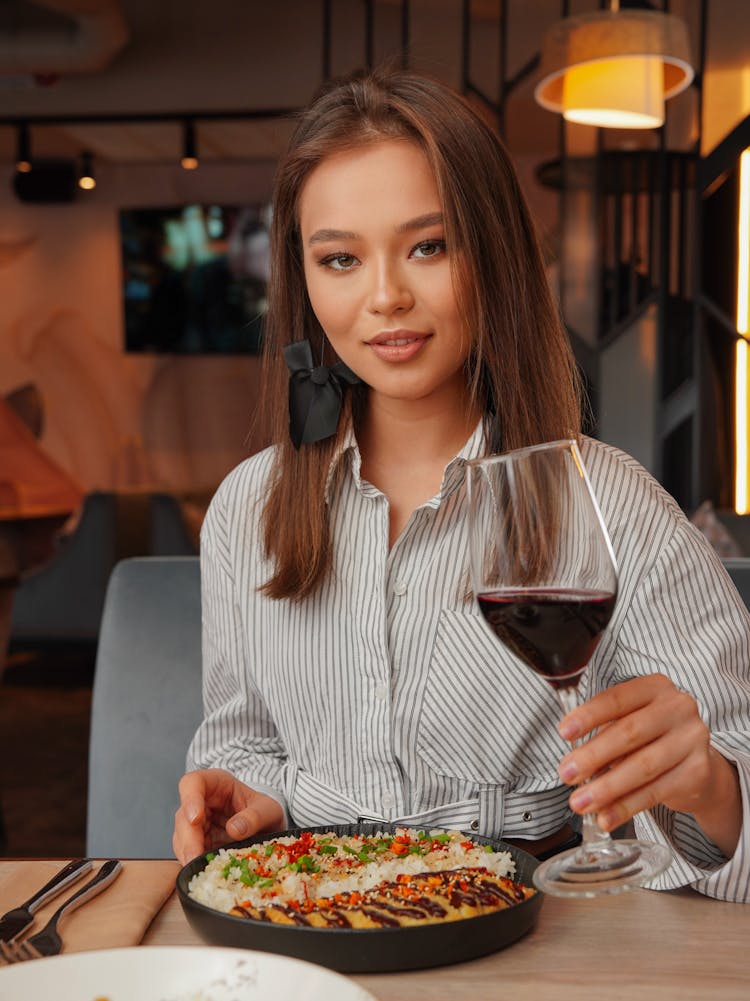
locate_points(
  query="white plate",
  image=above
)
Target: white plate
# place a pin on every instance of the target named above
(179, 973)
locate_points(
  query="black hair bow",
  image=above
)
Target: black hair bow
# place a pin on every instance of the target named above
(315, 394)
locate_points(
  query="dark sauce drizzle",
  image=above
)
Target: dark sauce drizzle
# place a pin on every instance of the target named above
(385, 905)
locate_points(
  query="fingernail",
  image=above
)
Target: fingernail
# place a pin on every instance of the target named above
(606, 820)
(568, 729)
(581, 799)
(568, 771)
(240, 826)
(192, 812)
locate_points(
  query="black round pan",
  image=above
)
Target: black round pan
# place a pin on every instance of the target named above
(377, 950)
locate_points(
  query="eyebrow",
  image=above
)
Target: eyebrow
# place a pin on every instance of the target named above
(420, 222)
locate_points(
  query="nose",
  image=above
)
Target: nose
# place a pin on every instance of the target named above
(390, 291)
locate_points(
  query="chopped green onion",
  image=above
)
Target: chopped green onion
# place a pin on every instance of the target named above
(269, 851)
(247, 877)
(231, 864)
(327, 849)
(210, 856)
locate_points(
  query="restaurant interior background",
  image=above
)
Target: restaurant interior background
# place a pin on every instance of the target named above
(129, 309)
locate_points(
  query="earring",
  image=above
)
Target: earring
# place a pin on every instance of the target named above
(315, 394)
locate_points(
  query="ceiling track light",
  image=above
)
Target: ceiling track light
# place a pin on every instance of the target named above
(86, 178)
(189, 159)
(614, 68)
(23, 149)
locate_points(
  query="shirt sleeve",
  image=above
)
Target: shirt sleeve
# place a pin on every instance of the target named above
(687, 621)
(237, 732)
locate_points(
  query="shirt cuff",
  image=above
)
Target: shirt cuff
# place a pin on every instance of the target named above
(697, 861)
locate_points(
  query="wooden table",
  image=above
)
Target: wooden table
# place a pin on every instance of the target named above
(641, 945)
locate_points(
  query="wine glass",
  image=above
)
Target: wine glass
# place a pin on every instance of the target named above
(545, 577)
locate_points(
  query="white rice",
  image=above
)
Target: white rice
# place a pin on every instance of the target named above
(340, 867)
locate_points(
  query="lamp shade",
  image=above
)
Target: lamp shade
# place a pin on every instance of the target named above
(614, 68)
(86, 179)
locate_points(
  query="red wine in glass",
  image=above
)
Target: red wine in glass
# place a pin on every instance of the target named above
(554, 631)
(545, 577)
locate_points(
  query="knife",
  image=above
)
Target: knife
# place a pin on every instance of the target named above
(19, 919)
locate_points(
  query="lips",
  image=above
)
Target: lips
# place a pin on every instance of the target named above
(398, 345)
(398, 337)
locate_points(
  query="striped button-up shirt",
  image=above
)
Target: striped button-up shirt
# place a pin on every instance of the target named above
(385, 696)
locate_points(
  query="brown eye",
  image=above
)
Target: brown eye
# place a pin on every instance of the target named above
(339, 262)
(429, 248)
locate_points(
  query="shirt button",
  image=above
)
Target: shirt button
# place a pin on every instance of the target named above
(527, 816)
(474, 825)
(388, 800)
(381, 692)
(399, 588)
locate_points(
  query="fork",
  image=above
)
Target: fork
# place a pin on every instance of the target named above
(47, 942)
(14, 922)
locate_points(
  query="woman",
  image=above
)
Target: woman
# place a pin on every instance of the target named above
(347, 673)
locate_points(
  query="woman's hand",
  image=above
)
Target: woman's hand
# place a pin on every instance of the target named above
(652, 747)
(216, 808)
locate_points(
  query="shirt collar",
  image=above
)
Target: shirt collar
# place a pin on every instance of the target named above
(347, 447)
(453, 476)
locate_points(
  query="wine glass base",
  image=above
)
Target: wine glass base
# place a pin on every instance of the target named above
(590, 871)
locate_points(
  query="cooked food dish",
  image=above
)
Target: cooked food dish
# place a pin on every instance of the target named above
(408, 900)
(379, 880)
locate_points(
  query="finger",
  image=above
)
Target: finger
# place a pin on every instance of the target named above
(263, 813)
(192, 839)
(205, 806)
(660, 791)
(624, 736)
(613, 704)
(210, 792)
(188, 841)
(192, 790)
(641, 772)
(673, 713)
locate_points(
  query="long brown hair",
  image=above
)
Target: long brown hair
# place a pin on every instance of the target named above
(521, 371)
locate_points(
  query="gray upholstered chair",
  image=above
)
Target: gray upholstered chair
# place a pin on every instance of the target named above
(63, 600)
(146, 705)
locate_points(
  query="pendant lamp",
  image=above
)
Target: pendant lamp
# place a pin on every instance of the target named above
(614, 68)
(86, 178)
(189, 160)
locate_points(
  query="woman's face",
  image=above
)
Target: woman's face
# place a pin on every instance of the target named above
(378, 271)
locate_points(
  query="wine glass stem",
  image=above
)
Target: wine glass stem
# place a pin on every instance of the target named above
(590, 832)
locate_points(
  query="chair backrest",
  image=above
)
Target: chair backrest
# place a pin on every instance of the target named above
(146, 705)
(738, 569)
(169, 529)
(63, 600)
